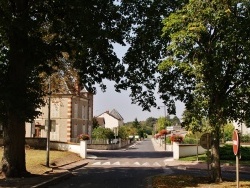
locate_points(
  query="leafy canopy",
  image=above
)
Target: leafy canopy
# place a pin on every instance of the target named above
(207, 63)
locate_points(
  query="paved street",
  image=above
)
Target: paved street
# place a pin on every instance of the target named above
(120, 168)
(133, 166)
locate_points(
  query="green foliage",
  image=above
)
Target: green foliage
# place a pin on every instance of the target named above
(200, 66)
(123, 132)
(95, 123)
(149, 124)
(226, 153)
(34, 38)
(175, 121)
(136, 124)
(151, 121)
(131, 130)
(168, 140)
(189, 140)
(207, 64)
(228, 131)
(244, 138)
(102, 133)
(162, 123)
(146, 47)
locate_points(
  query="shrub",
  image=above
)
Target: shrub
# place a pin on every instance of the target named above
(189, 140)
(226, 153)
(245, 138)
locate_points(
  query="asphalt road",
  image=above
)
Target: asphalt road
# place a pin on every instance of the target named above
(120, 168)
(130, 168)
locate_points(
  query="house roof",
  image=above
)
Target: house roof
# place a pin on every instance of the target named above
(100, 121)
(114, 113)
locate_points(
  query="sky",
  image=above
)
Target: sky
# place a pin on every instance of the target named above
(121, 102)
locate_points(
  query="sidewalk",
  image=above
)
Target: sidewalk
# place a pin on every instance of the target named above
(157, 145)
(194, 165)
(36, 181)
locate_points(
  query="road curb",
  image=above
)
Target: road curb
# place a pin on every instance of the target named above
(53, 180)
(56, 179)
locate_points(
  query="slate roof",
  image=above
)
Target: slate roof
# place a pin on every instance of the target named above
(116, 114)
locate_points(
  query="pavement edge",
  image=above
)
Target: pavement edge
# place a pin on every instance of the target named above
(56, 179)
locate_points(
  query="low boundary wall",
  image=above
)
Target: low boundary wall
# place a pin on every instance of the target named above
(184, 150)
(41, 143)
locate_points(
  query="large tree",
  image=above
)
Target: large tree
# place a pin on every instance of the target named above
(37, 37)
(207, 64)
(40, 37)
(146, 47)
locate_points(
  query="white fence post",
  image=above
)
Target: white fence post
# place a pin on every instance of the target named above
(83, 149)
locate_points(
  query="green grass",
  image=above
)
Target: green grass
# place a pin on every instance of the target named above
(36, 159)
(203, 158)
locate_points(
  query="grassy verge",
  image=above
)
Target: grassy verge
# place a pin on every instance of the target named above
(203, 158)
(180, 181)
(36, 159)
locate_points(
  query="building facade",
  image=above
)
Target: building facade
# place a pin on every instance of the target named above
(70, 114)
(112, 119)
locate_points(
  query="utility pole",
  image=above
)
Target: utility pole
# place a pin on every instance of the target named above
(48, 127)
(165, 114)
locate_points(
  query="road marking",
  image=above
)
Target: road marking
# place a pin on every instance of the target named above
(97, 163)
(137, 163)
(156, 164)
(106, 163)
(146, 164)
(117, 163)
(127, 163)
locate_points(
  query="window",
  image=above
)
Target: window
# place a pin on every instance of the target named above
(53, 126)
(83, 112)
(90, 114)
(55, 109)
(75, 110)
(75, 131)
(83, 128)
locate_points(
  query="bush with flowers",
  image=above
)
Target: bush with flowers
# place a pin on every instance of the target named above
(176, 138)
(83, 137)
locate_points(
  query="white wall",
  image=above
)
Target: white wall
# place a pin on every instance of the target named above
(110, 122)
(183, 150)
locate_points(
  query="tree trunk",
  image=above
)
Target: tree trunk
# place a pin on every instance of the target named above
(215, 167)
(13, 161)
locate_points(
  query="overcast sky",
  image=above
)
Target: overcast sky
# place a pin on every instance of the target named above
(122, 103)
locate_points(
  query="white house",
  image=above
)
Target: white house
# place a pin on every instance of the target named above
(112, 119)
